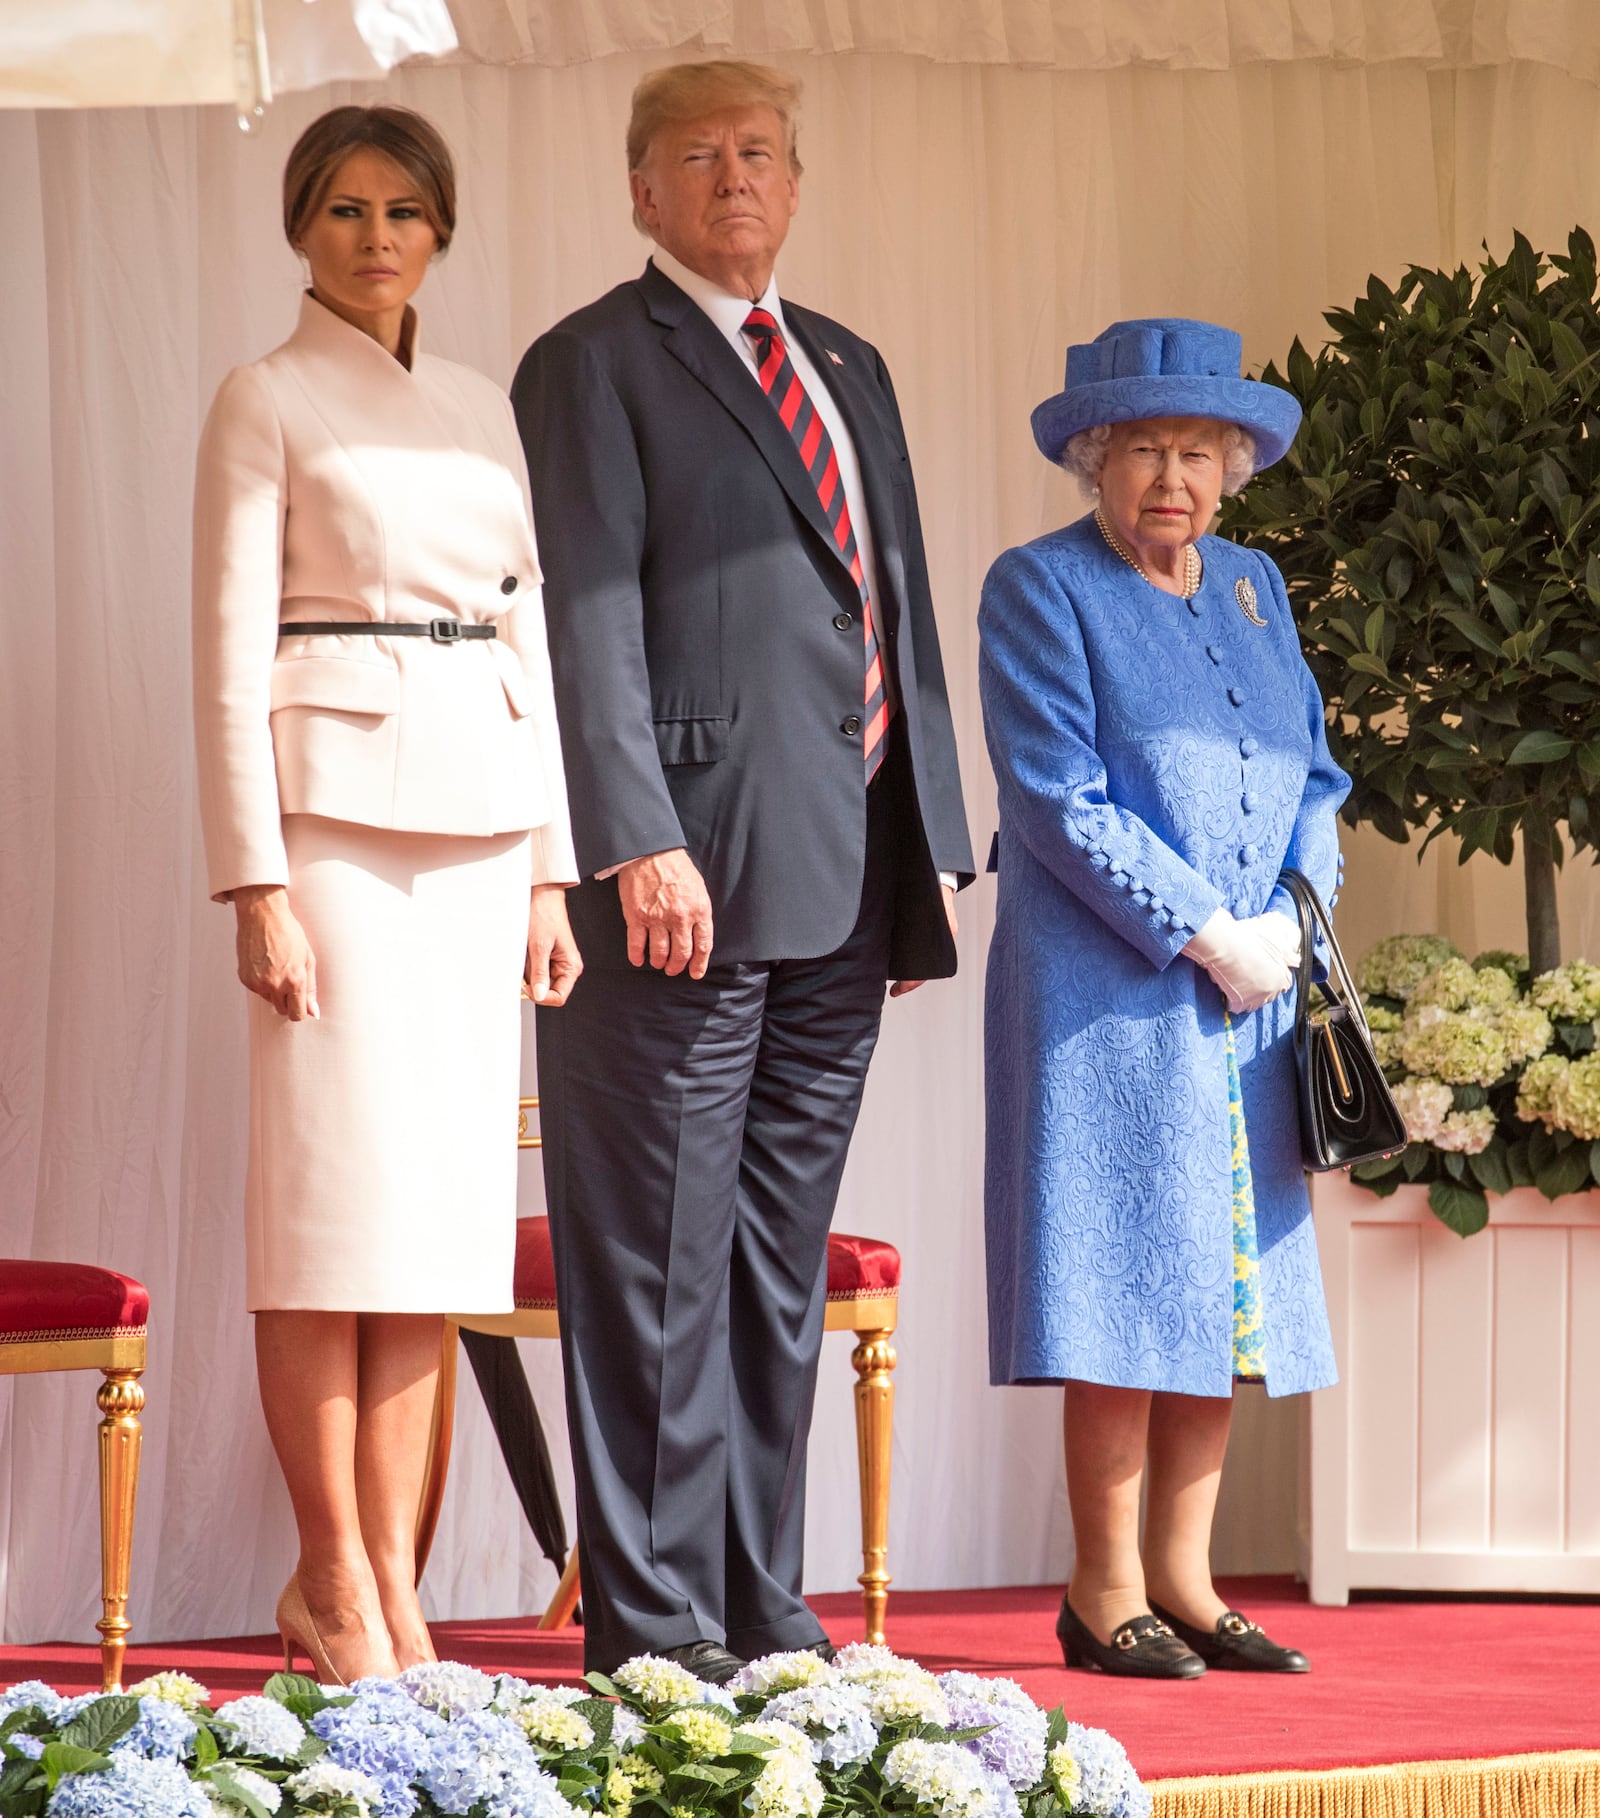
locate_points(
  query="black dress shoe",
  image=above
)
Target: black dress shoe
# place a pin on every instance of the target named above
(1236, 1645)
(1143, 1648)
(707, 1660)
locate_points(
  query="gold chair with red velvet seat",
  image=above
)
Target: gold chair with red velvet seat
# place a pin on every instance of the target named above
(863, 1298)
(74, 1316)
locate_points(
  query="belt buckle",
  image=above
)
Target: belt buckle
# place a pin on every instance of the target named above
(445, 631)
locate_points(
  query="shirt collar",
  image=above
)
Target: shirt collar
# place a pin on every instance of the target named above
(726, 311)
(320, 325)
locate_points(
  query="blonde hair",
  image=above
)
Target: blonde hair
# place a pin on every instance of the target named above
(408, 140)
(687, 91)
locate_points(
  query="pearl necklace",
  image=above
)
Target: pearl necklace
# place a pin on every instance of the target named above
(1191, 558)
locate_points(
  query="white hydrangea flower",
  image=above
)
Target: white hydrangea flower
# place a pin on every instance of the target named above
(783, 1673)
(263, 1791)
(552, 1725)
(1396, 966)
(789, 1785)
(261, 1726)
(172, 1688)
(1575, 1099)
(448, 1687)
(942, 1777)
(660, 1682)
(1535, 1089)
(1466, 1132)
(1526, 1031)
(1424, 1104)
(702, 1732)
(322, 1786)
(1571, 993)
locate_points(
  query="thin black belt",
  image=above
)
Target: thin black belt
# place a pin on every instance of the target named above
(442, 631)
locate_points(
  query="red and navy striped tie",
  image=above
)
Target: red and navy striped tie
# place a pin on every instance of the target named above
(804, 423)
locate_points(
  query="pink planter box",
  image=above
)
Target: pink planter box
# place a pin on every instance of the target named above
(1461, 1449)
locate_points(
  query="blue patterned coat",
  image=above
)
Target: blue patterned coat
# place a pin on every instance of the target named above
(1156, 759)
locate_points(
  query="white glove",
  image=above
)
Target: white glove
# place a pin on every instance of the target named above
(1281, 932)
(1242, 959)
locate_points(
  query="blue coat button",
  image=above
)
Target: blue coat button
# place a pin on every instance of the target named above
(1248, 748)
(1214, 653)
(1249, 803)
(1236, 695)
(1247, 855)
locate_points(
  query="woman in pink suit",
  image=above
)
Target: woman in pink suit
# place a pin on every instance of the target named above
(383, 804)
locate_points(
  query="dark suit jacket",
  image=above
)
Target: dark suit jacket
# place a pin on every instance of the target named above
(706, 636)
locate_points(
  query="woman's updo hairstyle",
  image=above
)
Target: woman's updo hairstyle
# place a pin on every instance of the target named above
(408, 140)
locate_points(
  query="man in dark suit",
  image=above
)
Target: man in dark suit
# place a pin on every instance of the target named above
(766, 804)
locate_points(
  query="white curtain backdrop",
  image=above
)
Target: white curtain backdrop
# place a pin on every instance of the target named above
(969, 216)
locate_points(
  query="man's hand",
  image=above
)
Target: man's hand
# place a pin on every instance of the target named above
(554, 962)
(902, 985)
(275, 958)
(668, 912)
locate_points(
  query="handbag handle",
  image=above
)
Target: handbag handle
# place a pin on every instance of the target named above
(1314, 920)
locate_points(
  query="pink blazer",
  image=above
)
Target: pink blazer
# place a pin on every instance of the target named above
(335, 485)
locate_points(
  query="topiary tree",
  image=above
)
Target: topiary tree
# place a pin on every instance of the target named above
(1438, 525)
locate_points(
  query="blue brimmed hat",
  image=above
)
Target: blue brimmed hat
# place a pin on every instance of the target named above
(1165, 366)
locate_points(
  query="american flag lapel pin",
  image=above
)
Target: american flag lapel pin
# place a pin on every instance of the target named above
(834, 357)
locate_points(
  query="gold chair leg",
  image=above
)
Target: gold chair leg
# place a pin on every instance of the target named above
(121, 1398)
(440, 1439)
(874, 1360)
(559, 1611)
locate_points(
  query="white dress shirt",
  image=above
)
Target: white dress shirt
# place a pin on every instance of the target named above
(728, 314)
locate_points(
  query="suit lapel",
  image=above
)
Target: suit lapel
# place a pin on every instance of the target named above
(692, 340)
(847, 386)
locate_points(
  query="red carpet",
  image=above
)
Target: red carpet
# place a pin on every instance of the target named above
(1390, 1681)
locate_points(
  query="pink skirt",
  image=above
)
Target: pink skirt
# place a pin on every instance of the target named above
(383, 1160)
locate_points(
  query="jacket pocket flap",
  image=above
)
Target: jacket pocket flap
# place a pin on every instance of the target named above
(700, 741)
(336, 683)
(514, 679)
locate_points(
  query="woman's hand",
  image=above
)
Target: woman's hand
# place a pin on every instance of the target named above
(275, 958)
(554, 962)
(1247, 967)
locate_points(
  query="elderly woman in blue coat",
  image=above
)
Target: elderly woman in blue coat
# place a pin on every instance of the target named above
(1160, 752)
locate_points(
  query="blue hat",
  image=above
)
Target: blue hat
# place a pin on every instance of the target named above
(1165, 367)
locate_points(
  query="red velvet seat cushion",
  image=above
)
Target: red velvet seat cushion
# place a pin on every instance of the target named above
(856, 1266)
(43, 1300)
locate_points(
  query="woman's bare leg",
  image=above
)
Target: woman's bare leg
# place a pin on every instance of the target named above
(307, 1366)
(1188, 1438)
(1105, 1433)
(398, 1374)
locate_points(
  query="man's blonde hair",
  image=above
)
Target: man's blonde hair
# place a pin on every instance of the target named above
(686, 91)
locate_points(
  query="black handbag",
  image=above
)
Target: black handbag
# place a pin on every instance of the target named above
(1347, 1112)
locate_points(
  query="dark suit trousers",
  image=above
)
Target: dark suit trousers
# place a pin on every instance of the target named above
(694, 1140)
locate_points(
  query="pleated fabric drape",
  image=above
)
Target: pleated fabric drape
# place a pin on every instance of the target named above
(969, 215)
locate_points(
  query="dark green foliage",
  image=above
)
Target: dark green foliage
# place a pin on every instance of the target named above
(1438, 525)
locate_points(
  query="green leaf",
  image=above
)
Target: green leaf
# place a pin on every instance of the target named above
(1416, 1158)
(103, 1723)
(61, 1758)
(1464, 1209)
(602, 1685)
(1540, 747)
(281, 1687)
(1491, 1169)
(1567, 1171)
(1375, 1170)
(230, 1789)
(206, 1751)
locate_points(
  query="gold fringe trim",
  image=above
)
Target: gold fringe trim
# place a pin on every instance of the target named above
(1564, 1785)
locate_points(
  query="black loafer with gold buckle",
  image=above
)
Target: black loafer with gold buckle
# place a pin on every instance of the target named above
(1236, 1645)
(1142, 1648)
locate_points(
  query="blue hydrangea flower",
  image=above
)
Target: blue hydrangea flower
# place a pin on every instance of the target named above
(837, 1721)
(132, 1787)
(261, 1726)
(627, 1727)
(1106, 1784)
(384, 1735)
(31, 1746)
(30, 1692)
(1014, 1745)
(163, 1732)
(485, 1759)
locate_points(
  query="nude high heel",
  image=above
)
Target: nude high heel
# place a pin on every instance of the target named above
(298, 1632)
